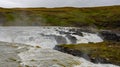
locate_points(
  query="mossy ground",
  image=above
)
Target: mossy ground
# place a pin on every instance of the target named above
(100, 17)
(105, 50)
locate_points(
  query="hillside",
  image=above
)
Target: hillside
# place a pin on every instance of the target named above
(100, 17)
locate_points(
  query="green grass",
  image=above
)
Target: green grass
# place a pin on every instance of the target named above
(100, 17)
(106, 50)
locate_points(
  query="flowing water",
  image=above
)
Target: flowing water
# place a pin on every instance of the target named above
(48, 37)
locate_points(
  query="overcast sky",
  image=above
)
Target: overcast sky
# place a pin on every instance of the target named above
(57, 3)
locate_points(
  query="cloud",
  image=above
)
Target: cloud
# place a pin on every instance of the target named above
(57, 3)
(7, 4)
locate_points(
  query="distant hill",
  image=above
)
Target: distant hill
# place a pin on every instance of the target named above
(99, 17)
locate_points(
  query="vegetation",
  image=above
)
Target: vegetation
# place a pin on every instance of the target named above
(37, 46)
(100, 17)
(110, 51)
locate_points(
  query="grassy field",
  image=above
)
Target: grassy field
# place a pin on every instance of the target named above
(99, 17)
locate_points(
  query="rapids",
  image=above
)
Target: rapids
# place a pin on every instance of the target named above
(47, 38)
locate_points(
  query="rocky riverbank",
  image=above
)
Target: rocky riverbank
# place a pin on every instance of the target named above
(104, 52)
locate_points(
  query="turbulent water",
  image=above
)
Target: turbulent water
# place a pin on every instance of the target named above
(47, 38)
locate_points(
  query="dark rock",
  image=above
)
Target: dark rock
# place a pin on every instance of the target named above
(60, 39)
(72, 52)
(67, 50)
(99, 60)
(63, 32)
(72, 30)
(76, 32)
(72, 39)
(110, 36)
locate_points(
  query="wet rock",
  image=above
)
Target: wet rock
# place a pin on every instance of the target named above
(79, 33)
(105, 52)
(72, 52)
(99, 60)
(60, 40)
(110, 36)
(76, 32)
(72, 39)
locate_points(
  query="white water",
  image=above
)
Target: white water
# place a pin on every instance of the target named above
(88, 37)
(42, 36)
(45, 38)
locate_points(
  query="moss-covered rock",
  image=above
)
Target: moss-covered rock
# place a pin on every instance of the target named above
(105, 52)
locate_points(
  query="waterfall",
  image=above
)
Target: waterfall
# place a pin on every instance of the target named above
(88, 37)
(46, 37)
